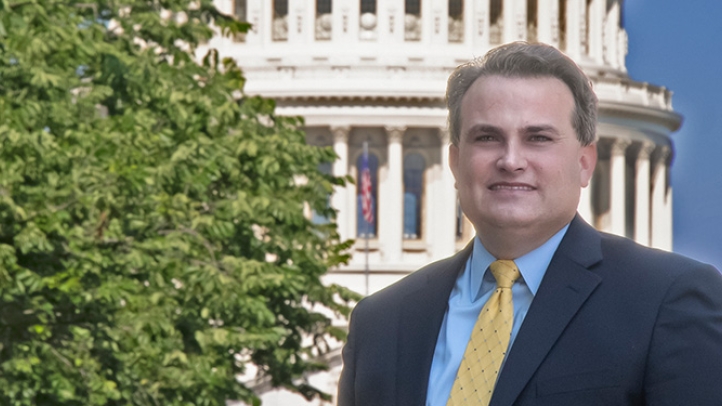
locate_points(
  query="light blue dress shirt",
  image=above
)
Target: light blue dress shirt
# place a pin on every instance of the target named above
(473, 287)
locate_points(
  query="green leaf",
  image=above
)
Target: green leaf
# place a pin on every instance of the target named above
(152, 223)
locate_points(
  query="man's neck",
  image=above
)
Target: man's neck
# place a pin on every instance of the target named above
(512, 243)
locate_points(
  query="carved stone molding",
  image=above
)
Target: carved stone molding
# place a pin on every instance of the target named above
(324, 26)
(619, 147)
(280, 28)
(444, 136)
(645, 150)
(521, 27)
(456, 30)
(662, 155)
(395, 134)
(340, 133)
(480, 24)
(412, 27)
(367, 26)
(496, 31)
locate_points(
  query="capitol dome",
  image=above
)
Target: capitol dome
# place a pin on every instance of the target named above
(375, 71)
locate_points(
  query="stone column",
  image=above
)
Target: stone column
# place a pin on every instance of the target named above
(668, 232)
(575, 27)
(597, 9)
(443, 235)
(253, 15)
(514, 28)
(340, 25)
(480, 24)
(391, 198)
(641, 198)
(617, 192)
(437, 28)
(295, 20)
(342, 195)
(548, 22)
(386, 23)
(396, 22)
(611, 34)
(661, 234)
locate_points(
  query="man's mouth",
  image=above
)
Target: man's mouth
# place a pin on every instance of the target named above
(511, 186)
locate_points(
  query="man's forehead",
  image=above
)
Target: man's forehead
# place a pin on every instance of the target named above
(489, 90)
(540, 114)
(509, 79)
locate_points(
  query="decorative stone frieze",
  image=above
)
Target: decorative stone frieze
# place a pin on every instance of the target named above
(456, 30)
(280, 28)
(367, 26)
(412, 27)
(324, 26)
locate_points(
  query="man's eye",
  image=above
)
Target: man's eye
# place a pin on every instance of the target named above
(539, 138)
(484, 138)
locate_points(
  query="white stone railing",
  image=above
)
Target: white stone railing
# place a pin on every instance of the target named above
(632, 92)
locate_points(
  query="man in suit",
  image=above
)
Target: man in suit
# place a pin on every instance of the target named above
(597, 319)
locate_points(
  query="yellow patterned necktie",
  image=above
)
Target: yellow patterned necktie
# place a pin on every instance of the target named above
(489, 341)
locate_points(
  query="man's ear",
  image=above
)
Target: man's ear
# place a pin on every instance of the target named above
(587, 163)
(454, 161)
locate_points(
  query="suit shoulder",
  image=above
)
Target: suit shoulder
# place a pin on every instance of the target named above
(624, 253)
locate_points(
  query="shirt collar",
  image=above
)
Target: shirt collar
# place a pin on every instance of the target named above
(532, 266)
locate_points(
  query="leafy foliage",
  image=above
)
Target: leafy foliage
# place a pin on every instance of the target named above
(153, 241)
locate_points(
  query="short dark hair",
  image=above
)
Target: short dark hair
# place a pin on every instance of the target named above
(522, 59)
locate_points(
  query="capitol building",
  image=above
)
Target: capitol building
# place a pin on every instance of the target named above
(374, 72)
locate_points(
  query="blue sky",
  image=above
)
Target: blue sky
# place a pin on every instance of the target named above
(678, 44)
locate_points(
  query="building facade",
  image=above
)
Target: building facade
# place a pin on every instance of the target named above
(374, 72)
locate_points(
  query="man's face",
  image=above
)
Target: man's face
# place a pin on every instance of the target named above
(519, 164)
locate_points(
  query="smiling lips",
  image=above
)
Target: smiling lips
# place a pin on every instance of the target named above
(511, 186)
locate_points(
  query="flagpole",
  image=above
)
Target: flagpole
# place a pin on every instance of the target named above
(368, 229)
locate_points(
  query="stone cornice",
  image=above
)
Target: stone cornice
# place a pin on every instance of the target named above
(668, 119)
(363, 100)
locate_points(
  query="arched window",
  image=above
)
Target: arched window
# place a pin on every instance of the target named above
(323, 7)
(317, 218)
(456, 20)
(324, 20)
(368, 6)
(363, 227)
(239, 10)
(456, 8)
(414, 165)
(531, 20)
(496, 21)
(562, 24)
(280, 8)
(367, 20)
(412, 20)
(413, 7)
(587, 24)
(280, 20)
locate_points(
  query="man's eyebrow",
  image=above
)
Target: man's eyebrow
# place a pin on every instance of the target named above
(484, 128)
(533, 129)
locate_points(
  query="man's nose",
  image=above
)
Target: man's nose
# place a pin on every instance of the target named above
(512, 158)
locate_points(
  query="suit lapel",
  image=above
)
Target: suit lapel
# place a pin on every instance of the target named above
(566, 286)
(421, 316)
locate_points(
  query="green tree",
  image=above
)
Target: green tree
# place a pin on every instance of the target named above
(153, 241)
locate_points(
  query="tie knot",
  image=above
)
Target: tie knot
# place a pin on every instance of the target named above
(505, 271)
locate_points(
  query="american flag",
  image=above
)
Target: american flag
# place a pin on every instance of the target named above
(366, 209)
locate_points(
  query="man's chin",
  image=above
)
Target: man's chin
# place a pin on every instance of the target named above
(512, 222)
(514, 217)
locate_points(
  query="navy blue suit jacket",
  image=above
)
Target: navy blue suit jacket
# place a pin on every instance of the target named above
(613, 323)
